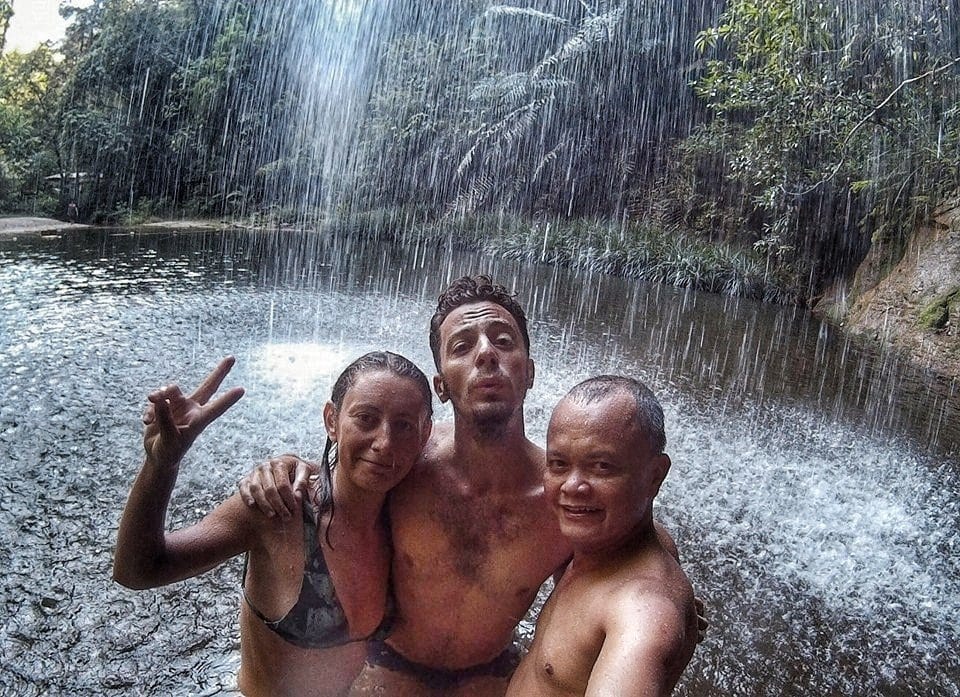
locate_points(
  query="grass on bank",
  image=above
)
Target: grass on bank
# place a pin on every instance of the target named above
(631, 249)
(936, 315)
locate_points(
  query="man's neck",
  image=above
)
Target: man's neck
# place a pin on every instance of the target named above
(492, 431)
(493, 455)
(588, 559)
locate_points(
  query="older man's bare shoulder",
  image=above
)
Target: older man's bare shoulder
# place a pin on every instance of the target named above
(654, 591)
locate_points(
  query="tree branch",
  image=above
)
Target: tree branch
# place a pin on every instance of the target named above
(865, 119)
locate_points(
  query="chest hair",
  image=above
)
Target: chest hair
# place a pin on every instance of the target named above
(478, 526)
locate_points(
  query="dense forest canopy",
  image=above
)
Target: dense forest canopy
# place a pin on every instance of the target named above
(799, 130)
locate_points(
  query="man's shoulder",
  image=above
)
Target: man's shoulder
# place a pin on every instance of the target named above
(535, 454)
(658, 573)
(437, 451)
(649, 620)
(439, 448)
(651, 591)
(425, 479)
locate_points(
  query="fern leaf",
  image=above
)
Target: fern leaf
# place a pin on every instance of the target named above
(591, 32)
(548, 159)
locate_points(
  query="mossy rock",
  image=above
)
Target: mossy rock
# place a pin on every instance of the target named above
(936, 315)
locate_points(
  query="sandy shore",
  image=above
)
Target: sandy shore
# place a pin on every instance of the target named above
(21, 225)
(38, 225)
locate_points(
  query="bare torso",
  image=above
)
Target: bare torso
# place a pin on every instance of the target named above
(468, 559)
(272, 666)
(588, 609)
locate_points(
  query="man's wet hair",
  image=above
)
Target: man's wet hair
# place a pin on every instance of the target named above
(474, 289)
(649, 411)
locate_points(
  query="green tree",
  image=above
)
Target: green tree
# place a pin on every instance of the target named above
(179, 103)
(555, 107)
(6, 12)
(121, 56)
(833, 127)
(224, 104)
(28, 105)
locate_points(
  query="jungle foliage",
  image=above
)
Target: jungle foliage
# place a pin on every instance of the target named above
(794, 132)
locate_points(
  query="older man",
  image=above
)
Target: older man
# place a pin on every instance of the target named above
(621, 620)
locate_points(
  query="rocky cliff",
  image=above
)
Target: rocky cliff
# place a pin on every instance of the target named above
(915, 307)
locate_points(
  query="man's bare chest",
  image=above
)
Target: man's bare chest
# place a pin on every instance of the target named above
(568, 640)
(489, 542)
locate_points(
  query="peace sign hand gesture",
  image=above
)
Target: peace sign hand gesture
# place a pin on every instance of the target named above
(172, 421)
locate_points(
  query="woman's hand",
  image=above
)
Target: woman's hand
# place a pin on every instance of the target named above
(173, 420)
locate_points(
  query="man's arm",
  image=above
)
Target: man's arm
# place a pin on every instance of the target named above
(644, 651)
(276, 488)
(668, 543)
(146, 556)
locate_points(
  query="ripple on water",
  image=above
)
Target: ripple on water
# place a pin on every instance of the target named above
(827, 555)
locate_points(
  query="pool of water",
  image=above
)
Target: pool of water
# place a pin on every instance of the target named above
(814, 492)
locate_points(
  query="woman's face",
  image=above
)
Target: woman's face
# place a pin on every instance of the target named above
(380, 429)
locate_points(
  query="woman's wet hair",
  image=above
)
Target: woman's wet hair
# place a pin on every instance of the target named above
(385, 361)
(474, 289)
(375, 361)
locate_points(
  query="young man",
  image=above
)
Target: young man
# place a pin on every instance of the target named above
(473, 535)
(621, 619)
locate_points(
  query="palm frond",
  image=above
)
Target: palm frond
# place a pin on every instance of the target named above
(513, 11)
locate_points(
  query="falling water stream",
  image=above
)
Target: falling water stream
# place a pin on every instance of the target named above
(814, 492)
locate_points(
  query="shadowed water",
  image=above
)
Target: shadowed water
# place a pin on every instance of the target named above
(814, 493)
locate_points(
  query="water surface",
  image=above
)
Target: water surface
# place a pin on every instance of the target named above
(814, 492)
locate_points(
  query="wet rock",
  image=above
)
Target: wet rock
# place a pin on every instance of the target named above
(909, 308)
(116, 681)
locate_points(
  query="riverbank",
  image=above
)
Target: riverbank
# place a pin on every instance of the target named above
(28, 224)
(36, 225)
(890, 315)
(916, 306)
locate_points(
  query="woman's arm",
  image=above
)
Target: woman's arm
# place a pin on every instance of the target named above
(147, 556)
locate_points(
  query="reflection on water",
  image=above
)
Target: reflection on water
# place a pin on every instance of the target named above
(814, 493)
(299, 367)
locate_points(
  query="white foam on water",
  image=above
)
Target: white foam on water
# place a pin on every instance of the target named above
(863, 524)
(297, 368)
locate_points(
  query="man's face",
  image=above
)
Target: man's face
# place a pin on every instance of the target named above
(484, 367)
(601, 476)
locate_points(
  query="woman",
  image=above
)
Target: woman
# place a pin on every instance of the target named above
(315, 588)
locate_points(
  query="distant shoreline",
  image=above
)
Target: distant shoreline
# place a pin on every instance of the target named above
(32, 225)
(26, 224)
